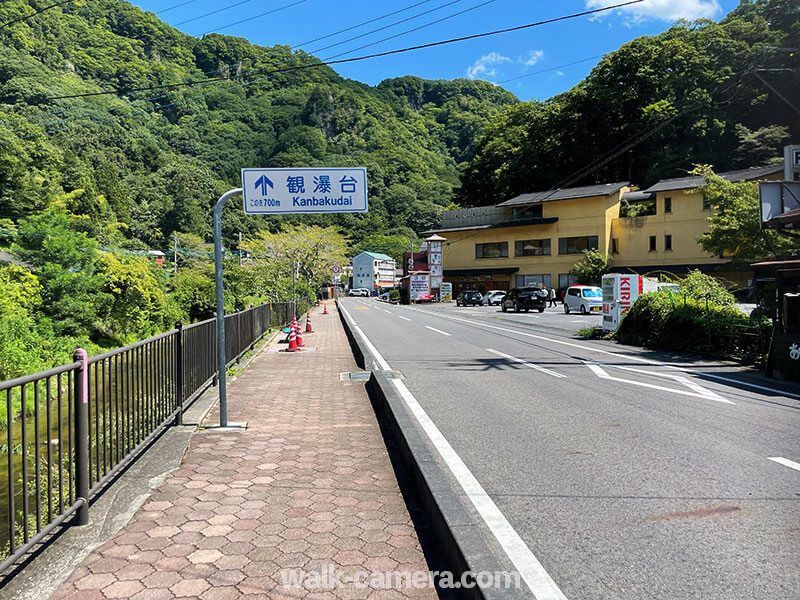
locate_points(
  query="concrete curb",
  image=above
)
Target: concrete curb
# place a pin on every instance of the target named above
(464, 538)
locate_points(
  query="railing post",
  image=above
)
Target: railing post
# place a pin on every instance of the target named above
(179, 373)
(81, 412)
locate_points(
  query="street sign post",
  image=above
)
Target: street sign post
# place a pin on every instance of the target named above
(297, 191)
(282, 191)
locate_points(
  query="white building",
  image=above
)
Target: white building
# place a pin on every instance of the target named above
(373, 271)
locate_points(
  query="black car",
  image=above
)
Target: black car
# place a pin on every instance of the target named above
(524, 299)
(472, 297)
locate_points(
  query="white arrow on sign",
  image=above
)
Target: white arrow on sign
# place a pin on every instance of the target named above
(695, 390)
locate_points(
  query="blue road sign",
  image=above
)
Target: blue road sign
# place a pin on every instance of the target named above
(311, 190)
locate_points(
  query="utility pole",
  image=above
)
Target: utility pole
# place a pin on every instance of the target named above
(294, 282)
(240, 248)
(175, 254)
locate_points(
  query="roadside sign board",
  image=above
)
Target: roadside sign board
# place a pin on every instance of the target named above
(419, 286)
(446, 292)
(304, 190)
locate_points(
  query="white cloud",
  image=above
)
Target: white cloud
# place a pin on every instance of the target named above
(664, 10)
(534, 56)
(484, 67)
(560, 73)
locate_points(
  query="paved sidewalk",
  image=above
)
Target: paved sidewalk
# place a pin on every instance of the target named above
(308, 486)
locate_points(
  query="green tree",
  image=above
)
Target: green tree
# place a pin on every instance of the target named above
(591, 267)
(735, 226)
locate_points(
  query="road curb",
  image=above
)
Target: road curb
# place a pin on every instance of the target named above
(464, 539)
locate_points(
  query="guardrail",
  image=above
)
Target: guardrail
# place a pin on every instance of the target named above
(72, 429)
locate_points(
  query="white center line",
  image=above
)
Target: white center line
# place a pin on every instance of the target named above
(404, 318)
(785, 462)
(437, 330)
(526, 363)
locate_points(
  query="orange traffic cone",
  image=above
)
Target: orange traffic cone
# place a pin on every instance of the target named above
(292, 341)
(308, 323)
(325, 311)
(298, 333)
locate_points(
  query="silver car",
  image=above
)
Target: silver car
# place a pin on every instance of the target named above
(493, 297)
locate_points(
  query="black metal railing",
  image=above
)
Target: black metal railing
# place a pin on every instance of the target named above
(71, 429)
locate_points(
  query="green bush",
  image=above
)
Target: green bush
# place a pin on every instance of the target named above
(394, 295)
(700, 286)
(673, 322)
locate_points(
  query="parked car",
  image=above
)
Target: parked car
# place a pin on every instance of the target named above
(584, 298)
(358, 292)
(525, 298)
(468, 297)
(493, 297)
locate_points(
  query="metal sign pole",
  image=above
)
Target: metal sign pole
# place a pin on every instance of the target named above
(221, 359)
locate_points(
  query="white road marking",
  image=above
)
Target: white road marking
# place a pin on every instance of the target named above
(699, 391)
(405, 318)
(526, 363)
(624, 356)
(528, 566)
(386, 311)
(785, 462)
(437, 330)
(378, 358)
(577, 321)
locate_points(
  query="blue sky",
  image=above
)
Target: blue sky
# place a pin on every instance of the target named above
(533, 63)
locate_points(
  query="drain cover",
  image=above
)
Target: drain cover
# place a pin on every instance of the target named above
(365, 375)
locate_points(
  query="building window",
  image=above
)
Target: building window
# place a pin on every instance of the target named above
(526, 212)
(668, 243)
(637, 208)
(532, 247)
(576, 245)
(566, 280)
(706, 203)
(492, 250)
(532, 280)
(614, 246)
(667, 205)
(652, 243)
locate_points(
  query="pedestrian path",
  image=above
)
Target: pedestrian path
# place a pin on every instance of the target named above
(302, 504)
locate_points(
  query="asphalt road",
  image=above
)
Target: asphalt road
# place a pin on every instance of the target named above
(626, 478)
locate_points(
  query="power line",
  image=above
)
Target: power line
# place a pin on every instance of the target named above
(269, 12)
(33, 14)
(548, 70)
(367, 56)
(402, 33)
(411, 18)
(186, 79)
(391, 14)
(321, 63)
(163, 10)
(213, 12)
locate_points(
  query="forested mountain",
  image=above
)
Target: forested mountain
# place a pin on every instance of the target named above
(691, 95)
(142, 164)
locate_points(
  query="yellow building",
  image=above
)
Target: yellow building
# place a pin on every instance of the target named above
(536, 238)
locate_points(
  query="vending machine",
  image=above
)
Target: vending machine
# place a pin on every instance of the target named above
(620, 291)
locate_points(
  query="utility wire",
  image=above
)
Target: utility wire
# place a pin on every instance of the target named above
(411, 18)
(548, 70)
(239, 65)
(316, 64)
(33, 14)
(163, 10)
(391, 14)
(402, 33)
(258, 16)
(213, 12)
(369, 56)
